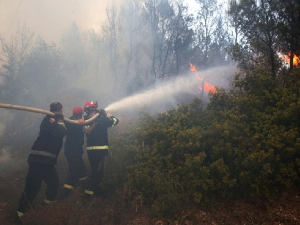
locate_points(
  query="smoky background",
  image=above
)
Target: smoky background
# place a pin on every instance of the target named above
(114, 53)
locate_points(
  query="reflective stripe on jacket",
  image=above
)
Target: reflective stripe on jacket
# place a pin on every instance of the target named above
(48, 154)
(96, 132)
(103, 147)
(48, 144)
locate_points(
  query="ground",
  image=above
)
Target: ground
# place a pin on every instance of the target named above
(99, 210)
(78, 210)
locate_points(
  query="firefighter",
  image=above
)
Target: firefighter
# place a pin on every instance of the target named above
(73, 151)
(43, 158)
(96, 143)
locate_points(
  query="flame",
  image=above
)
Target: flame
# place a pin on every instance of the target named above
(296, 59)
(193, 68)
(207, 86)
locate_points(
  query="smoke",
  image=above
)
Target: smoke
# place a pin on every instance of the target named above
(220, 76)
(5, 156)
(49, 19)
(170, 93)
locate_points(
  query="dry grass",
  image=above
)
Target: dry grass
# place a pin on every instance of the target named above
(78, 210)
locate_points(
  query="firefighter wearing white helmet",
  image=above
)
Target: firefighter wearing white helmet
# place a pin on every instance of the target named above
(97, 143)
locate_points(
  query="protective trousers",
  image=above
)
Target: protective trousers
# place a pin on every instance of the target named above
(96, 159)
(37, 173)
(77, 171)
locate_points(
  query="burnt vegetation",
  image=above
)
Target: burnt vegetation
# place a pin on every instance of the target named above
(231, 159)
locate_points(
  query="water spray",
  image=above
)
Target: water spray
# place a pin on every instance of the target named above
(158, 97)
(161, 96)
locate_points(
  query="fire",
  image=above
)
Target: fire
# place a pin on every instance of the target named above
(296, 59)
(193, 68)
(207, 86)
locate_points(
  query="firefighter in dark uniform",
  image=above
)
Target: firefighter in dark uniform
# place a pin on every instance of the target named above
(73, 150)
(43, 158)
(97, 143)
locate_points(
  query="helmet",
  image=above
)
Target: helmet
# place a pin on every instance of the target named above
(90, 106)
(77, 110)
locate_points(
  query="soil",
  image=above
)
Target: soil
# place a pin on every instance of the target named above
(283, 211)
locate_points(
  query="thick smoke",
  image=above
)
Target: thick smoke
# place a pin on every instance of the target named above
(49, 19)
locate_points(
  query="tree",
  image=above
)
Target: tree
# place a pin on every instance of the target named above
(207, 17)
(288, 12)
(212, 36)
(13, 56)
(158, 14)
(133, 37)
(234, 15)
(31, 77)
(221, 42)
(111, 35)
(181, 37)
(73, 50)
(258, 23)
(42, 73)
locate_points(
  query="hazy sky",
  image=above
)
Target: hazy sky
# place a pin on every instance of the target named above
(49, 18)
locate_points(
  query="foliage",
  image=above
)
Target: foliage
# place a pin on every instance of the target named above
(266, 29)
(244, 144)
(212, 36)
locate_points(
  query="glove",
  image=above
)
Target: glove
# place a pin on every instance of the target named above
(101, 112)
(88, 129)
(81, 121)
(59, 117)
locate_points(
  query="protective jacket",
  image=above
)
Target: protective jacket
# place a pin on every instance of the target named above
(97, 148)
(96, 131)
(48, 144)
(74, 140)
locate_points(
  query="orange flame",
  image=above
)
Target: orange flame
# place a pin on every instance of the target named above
(296, 59)
(193, 69)
(207, 86)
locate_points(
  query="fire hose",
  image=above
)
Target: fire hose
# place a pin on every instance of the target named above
(36, 110)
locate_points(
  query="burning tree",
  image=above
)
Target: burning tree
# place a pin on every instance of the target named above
(295, 59)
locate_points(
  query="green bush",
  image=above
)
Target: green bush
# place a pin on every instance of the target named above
(245, 143)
